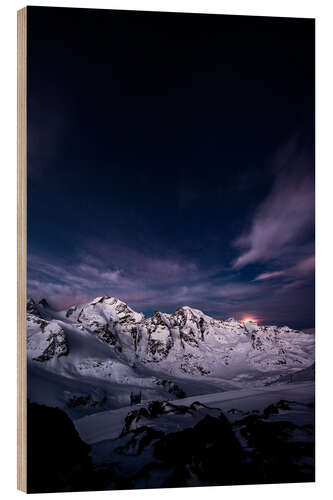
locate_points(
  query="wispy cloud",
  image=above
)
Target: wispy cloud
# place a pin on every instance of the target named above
(305, 266)
(268, 276)
(300, 271)
(282, 221)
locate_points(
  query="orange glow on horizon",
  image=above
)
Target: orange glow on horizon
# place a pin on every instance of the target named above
(249, 318)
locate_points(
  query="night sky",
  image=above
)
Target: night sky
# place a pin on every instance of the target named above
(171, 162)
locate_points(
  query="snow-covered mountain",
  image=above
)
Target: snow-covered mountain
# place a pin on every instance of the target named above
(103, 354)
(177, 399)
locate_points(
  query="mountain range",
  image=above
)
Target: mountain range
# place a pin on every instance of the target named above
(104, 355)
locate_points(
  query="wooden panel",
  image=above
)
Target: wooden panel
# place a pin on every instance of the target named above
(21, 248)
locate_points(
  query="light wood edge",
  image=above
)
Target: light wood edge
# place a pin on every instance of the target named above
(21, 249)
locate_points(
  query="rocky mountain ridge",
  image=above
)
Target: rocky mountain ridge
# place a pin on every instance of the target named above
(107, 344)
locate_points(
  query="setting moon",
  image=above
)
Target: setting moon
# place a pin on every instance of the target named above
(249, 318)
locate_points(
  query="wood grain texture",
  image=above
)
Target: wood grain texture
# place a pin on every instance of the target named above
(21, 248)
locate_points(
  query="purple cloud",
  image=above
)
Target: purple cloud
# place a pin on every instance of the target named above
(283, 219)
(305, 266)
(267, 276)
(302, 269)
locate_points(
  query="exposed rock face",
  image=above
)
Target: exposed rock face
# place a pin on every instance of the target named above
(162, 410)
(44, 303)
(172, 388)
(140, 439)
(45, 339)
(91, 400)
(104, 333)
(57, 346)
(70, 311)
(33, 308)
(197, 445)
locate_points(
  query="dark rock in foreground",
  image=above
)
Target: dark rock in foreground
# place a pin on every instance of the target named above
(58, 460)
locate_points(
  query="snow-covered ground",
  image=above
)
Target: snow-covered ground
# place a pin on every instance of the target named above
(108, 425)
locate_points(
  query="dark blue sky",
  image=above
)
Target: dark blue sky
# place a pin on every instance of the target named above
(171, 161)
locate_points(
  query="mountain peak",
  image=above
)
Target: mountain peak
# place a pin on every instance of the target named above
(44, 303)
(106, 299)
(189, 310)
(231, 320)
(36, 309)
(31, 306)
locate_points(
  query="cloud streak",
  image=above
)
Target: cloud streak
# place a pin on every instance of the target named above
(268, 276)
(283, 220)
